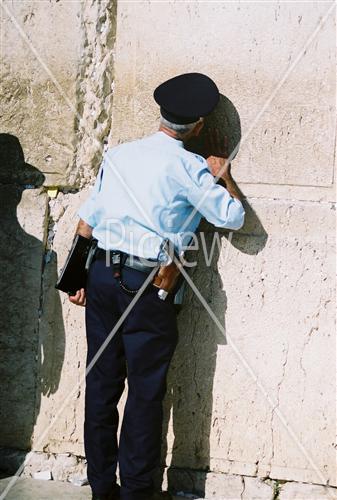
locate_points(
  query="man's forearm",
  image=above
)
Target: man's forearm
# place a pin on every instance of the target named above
(232, 187)
(84, 229)
(229, 183)
(220, 167)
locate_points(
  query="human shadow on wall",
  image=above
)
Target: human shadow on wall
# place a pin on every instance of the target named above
(31, 343)
(189, 398)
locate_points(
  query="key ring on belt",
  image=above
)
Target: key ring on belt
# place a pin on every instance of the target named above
(118, 274)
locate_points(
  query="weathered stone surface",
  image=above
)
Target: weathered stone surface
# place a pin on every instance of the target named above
(256, 489)
(260, 317)
(29, 489)
(253, 489)
(248, 407)
(287, 135)
(58, 103)
(301, 491)
(23, 231)
(209, 485)
(59, 426)
(260, 405)
(39, 83)
(257, 400)
(63, 466)
(217, 485)
(95, 89)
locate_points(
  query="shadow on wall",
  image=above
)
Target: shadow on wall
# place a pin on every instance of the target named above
(189, 399)
(31, 349)
(226, 119)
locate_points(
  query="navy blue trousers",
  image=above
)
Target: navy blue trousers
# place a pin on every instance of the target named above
(140, 351)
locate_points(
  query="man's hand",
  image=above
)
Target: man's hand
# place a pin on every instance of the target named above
(219, 164)
(84, 229)
(219, 167)
(78, 299)
(167, 276)
(218, 160)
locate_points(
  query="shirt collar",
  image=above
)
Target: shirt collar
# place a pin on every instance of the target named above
(167, 138)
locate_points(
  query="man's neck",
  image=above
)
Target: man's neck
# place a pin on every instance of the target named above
(171, 133)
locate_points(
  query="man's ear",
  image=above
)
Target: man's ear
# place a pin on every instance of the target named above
(198, 128)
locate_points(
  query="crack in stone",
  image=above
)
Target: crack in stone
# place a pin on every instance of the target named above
(243, 487)
(286, 350)
(46, 218)
(94, 89)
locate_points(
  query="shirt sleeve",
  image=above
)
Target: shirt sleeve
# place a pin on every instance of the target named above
(88, 209)
(212, 200)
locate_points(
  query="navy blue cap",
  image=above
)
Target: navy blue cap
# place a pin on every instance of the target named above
(185, 98)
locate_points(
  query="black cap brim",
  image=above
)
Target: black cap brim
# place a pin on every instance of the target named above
(180, 120)
(185, 98)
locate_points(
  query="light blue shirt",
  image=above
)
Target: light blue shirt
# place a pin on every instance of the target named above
(147, 190)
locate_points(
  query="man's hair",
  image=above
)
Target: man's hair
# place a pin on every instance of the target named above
(177, 127)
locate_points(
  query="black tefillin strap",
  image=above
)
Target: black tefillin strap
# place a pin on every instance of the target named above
(118, 261)
(115, 260)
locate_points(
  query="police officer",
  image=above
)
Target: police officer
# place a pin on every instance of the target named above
(146, 190)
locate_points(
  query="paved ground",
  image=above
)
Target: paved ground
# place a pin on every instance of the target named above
(34, 489)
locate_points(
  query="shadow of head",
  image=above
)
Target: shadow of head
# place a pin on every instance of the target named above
(225, 118)
(31, 322)
(13, 168)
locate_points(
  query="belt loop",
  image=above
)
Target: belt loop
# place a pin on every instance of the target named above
(116, 259)
(107, 257)
(122, 259)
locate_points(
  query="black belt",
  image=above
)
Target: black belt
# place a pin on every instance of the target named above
(117, 258)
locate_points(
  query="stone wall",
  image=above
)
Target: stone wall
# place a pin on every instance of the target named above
(251, 388)
(262, 404)
(57, 109)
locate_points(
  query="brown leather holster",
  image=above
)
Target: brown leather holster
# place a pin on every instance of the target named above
(167, 277)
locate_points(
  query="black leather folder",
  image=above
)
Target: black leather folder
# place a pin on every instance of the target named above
(73, 275)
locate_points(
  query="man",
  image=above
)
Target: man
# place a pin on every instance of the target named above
(146, 190)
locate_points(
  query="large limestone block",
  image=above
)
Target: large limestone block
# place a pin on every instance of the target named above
(260, 404)
(218, 486)
(59, 425)
(28, 489)
(256, 489)
(300, 491)
(39, 83)
(23, 231)
(58, 102)
(275, 62)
